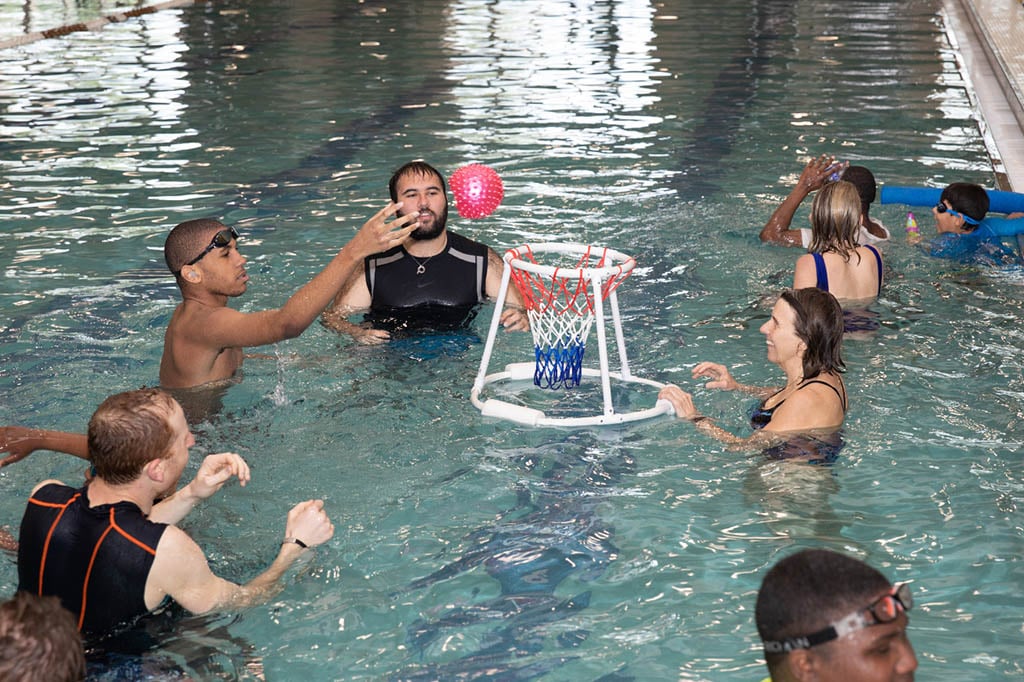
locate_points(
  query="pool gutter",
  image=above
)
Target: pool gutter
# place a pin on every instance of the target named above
(989, 36)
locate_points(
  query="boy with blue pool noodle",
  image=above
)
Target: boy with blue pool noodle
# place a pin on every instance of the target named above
(963, 231)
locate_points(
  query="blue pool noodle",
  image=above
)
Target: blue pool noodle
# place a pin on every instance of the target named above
(999, 201)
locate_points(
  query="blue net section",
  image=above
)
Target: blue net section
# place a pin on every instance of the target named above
(559, 365)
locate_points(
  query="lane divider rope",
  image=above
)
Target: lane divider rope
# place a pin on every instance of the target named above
(93, 24)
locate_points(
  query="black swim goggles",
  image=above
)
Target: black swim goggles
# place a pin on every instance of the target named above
(942, 208)
(219, 241)
(885, 610)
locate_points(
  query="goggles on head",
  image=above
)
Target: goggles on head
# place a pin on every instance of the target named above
(219, 241)
(885, 610)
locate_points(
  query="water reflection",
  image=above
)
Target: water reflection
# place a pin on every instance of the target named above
(554, 533)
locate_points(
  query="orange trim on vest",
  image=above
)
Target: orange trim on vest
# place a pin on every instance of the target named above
(49, 535)
(130, 538)
(95, 551)
(88, 571)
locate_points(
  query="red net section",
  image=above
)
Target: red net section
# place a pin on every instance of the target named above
(567, 289)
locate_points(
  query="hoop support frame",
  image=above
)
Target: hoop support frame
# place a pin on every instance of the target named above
(516, 371)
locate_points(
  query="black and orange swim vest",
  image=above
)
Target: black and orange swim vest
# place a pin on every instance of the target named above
(95, 560)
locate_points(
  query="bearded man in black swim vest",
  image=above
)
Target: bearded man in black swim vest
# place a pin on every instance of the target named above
(436, 278)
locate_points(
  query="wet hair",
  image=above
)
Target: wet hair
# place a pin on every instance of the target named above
(967, 198)
(415, 168)
(806, 591)
(861, 178)
(835, 219)
(819, 324)
(187, 240)
(128, 430)
(39, 640)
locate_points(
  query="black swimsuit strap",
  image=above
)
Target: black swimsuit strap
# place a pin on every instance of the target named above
(841, 396)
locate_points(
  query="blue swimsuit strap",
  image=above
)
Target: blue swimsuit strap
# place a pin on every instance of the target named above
(820, 272)
(878, 261)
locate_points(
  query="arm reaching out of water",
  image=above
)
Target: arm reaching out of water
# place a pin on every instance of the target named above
(777, 230)
(513, 317)
(182, 571)
(214, 472)
(722, 379)
(21, 441)
(205, 337)
(682, 403)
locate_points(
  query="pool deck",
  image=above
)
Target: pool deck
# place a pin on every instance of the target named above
(988, 33)
(990, 37)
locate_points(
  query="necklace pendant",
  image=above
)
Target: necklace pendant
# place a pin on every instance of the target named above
(421, 269)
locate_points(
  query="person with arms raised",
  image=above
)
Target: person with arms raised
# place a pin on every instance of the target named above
(816, 174)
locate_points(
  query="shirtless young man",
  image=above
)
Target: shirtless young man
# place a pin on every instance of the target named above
(435, 269)
(111, 553)
(205, 337)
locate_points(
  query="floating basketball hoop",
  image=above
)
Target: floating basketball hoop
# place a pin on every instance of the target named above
(563, 303)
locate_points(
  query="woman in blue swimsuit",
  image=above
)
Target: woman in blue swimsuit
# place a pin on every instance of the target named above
(804, 337)
(835, 263)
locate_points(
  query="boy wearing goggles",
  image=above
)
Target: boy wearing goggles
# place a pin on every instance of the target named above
(204, 340)
(961, 208)
(825, 616)
(964, 234)
(205, 337)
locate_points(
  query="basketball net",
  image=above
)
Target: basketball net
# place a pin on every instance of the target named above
(560, 306)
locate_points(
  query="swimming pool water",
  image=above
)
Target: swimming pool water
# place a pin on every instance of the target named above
(468, 547)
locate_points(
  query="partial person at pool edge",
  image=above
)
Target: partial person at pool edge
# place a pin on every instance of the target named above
(830, 264)
(205, 338)
(435, 274)
(39, 641)
(139, 443)
(804, 336)
(823, 616)
(814, 176)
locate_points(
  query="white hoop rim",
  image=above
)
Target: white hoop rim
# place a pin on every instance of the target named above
(622, 263)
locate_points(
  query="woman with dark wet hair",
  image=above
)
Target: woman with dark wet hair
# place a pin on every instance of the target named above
(804, 337)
